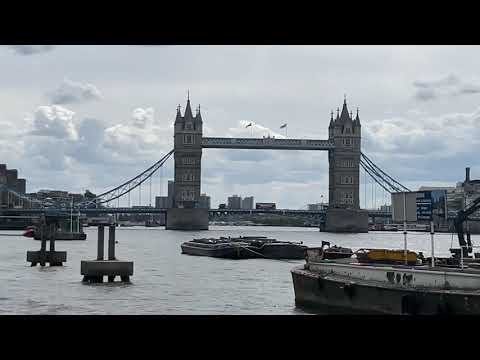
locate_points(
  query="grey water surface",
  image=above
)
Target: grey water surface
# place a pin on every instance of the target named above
(168, 282)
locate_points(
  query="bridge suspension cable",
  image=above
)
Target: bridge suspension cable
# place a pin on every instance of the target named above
(127, 186)
(387, 182)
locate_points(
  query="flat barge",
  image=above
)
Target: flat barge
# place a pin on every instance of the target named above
(249, 247)
(358, 287)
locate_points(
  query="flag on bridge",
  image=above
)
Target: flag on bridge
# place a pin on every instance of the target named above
(248, 125)
(283, 126)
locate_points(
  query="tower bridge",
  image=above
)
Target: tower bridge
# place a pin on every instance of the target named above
(343, 146)
(344, 157)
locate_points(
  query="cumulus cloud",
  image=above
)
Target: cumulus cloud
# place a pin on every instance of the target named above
(257, 130)
(143, 117)
(422, 148)
(53, 121)
(70, 92)
(448, 86)
(31, 49)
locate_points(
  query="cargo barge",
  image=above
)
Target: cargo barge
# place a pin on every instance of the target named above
(389, 281)
(249, 247)
(358, 287)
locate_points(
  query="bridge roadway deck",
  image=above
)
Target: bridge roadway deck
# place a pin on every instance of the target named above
(150, 210)
(266, 143)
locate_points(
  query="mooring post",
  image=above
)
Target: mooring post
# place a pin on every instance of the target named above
(111, 242)
(43, 246)
(51, 234)
(101, 236)
(95, 270)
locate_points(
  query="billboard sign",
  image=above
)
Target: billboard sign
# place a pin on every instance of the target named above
(404, 207)
(431, 204)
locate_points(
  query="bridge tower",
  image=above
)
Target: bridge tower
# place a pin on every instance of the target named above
(186, 214)
(344, 214)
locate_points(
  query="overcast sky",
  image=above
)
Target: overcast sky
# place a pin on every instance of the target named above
(91, 117)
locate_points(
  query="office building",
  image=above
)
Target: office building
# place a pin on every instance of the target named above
(247, 203)
(204, 201)
(234, 202)
(9, 179)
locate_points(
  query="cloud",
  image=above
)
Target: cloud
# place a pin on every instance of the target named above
(143, 117)
(257, 130)
(31, 49)
(71, 92)
(423, 148)
(425, 94)
(448, 86)
(53, 121)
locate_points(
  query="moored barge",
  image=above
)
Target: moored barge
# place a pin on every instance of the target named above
(245, 248)
(356, 287)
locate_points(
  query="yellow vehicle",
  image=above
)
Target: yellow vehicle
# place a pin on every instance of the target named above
(386, 256)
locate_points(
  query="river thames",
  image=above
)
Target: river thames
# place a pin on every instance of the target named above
(168, 282)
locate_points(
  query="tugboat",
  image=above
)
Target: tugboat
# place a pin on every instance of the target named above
(382, 285)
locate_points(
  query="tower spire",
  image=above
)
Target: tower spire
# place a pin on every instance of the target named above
(344, 114)
(179, 114)
(188, 110)
(357, 119)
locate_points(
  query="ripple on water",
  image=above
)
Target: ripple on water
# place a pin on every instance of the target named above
(167, 282)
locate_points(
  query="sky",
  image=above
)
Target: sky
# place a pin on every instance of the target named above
(91, 117)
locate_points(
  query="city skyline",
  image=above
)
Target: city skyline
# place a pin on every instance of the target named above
(102, 114)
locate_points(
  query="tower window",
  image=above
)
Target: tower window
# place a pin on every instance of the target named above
(188, 139)
(188, 161)
(188, 177)
(347, 197)
(347, 142)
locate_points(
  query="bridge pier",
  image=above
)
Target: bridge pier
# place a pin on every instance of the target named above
(187, 219)
(340, 220)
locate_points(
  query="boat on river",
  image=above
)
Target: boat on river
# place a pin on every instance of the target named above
(380, 286)
(33, 232)
(246, 247)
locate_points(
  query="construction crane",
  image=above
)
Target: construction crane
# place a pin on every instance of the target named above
(462, 216)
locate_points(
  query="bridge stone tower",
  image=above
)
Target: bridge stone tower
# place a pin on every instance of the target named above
(186, 214)
(344, 214)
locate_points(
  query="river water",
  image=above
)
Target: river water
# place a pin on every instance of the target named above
(167, 282)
